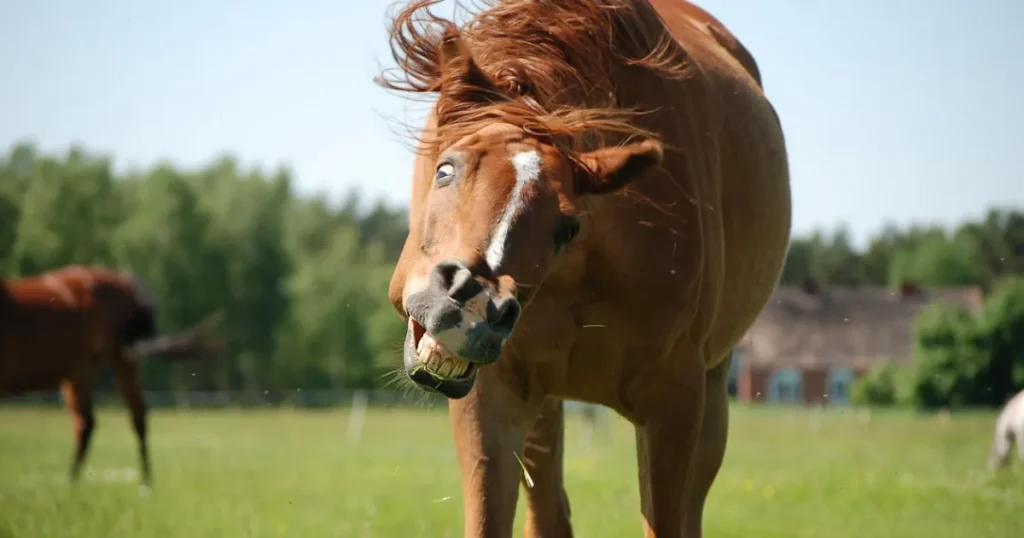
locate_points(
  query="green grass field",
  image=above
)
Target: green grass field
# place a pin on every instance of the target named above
(788, 473)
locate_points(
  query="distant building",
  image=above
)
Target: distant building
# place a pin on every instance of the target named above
(809, 343)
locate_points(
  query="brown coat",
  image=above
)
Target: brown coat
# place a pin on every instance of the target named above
(57, 328)
(679, 246)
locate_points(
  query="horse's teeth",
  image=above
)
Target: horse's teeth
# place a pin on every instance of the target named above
(437, 360)
(426, 342)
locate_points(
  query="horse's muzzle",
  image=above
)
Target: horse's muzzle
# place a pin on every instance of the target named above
(433, 368)
(456, 325)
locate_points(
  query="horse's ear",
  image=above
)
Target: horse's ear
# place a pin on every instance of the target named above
(457, 60)
(610, 169)
(462, 80)
(452, 51)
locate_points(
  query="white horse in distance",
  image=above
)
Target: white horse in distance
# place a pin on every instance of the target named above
(1009, 428)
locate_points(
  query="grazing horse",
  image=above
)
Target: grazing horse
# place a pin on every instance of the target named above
(1009, 429)
(600, 209)
(57, 328)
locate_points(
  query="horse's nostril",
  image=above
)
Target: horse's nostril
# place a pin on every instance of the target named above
(445, 273)
(503, 315)
(455, 280)
(464, 287)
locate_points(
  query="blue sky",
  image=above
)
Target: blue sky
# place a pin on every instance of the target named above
(894, 110)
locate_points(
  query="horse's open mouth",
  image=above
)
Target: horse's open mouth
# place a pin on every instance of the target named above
(434, 367)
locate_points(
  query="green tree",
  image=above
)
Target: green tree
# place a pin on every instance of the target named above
(10, 214)
(948, 357)
(829, 259)
(939, 261)
(799, 259)
(247, 211)
(69, 210)
(884, 385)
(15, 172)
(1001, 328)
(162, 241)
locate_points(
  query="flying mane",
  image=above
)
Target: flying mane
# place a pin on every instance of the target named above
(547, 66)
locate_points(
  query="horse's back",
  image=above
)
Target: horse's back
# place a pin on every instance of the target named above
(677, 13)
(73, 287)
(1011, 418)
(736, 164)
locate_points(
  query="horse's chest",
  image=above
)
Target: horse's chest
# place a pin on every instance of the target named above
(586, 349)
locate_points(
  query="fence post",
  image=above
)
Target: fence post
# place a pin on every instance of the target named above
(357, 416)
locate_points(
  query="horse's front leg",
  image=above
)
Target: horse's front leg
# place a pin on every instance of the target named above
(547, 504)
(490, 426)
(667, 441)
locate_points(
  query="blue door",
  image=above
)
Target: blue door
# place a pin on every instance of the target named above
(734, 371)
(786, 385)
(839, 382)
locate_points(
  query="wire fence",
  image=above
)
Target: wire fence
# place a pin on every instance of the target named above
(293, 398)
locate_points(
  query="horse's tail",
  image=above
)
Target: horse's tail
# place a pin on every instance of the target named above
(141, 323)
(194, 342)
(139, 333)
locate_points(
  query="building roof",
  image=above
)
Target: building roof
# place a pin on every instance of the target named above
(805, 326)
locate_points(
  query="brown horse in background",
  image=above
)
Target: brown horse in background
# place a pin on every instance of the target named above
(600, 209)
(57, 328)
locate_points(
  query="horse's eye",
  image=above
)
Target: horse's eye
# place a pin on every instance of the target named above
(444, 175)
(567, 231)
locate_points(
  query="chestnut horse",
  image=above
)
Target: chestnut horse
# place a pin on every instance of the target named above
(600, 209)
(57, 328)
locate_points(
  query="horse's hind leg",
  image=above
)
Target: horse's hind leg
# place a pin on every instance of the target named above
(1018, 436)
(1003, 440)
(78, 399)
(999, 455)
(711, 446)
(126, 372)
(546, 502)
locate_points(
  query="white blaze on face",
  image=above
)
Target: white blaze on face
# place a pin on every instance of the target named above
(527, 165)
(434, 350)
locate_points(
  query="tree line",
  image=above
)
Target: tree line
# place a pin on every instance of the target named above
(303, 281)
(975, 253)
